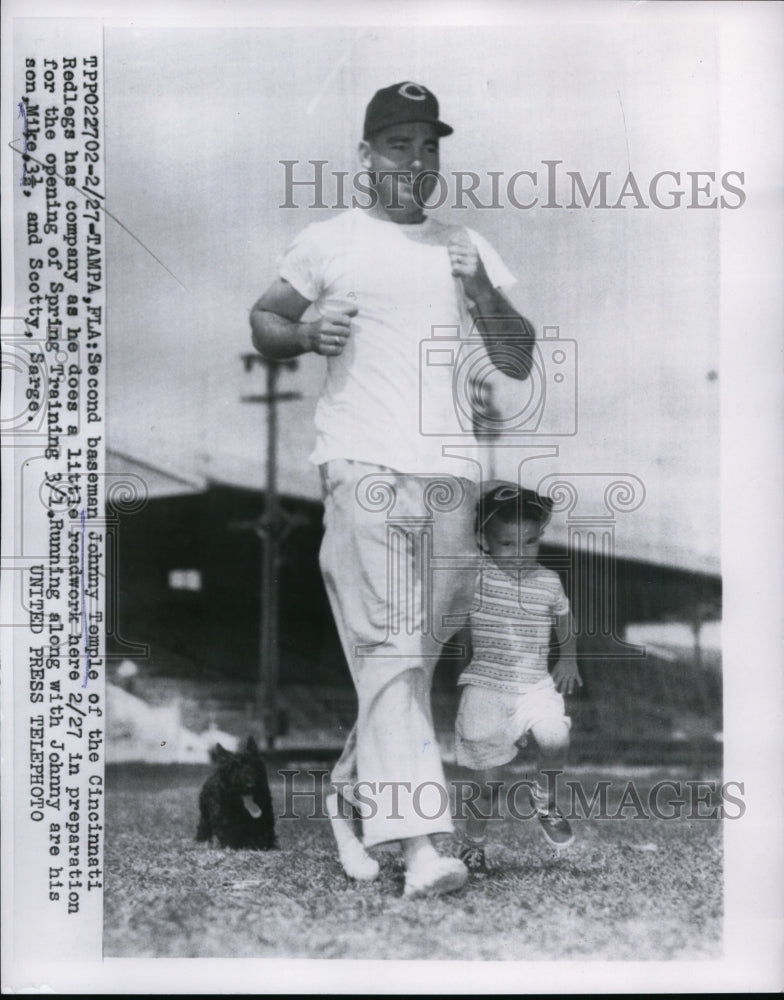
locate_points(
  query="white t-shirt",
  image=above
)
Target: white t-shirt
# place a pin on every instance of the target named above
(510, 629)
(389, 399)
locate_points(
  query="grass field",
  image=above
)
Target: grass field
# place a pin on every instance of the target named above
(626, 889)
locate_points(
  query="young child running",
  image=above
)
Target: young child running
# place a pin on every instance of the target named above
(508, 692)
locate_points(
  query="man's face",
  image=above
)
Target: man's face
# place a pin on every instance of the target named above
(412, 148)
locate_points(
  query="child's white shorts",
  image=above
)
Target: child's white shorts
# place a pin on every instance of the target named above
(491, 724)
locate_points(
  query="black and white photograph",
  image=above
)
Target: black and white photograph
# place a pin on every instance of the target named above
(379, 382)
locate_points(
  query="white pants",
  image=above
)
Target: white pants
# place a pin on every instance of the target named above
(491, 725)
(399, 564)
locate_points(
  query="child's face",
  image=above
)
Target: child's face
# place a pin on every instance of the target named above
(514, 545)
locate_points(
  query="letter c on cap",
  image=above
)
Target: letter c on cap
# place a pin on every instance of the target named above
(412, 91)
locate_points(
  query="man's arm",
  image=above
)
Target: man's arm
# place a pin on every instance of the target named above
(277, 332)
(508, 336)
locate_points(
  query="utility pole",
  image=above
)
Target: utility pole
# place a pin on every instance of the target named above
(271, 527)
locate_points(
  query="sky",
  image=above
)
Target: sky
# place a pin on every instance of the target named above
(197, 122)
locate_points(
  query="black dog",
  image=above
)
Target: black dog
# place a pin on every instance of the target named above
(235, 805)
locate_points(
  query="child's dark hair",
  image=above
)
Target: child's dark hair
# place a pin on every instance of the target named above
(512, 504)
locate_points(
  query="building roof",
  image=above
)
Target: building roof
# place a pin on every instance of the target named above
(150, 479)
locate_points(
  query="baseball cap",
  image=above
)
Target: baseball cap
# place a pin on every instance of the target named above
(400, 103)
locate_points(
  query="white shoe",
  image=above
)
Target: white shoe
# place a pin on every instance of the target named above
(433, 878)
(357, 863)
